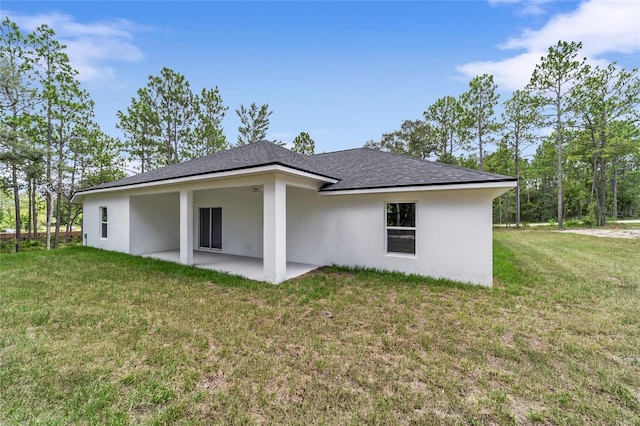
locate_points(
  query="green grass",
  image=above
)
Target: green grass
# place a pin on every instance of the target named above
(90, 337)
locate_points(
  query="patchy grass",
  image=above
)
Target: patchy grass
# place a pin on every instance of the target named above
(89, 337)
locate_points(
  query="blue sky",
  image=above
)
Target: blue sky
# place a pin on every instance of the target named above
(345, 72)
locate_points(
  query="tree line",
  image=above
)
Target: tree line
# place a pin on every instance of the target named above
(51, 145)
(571, 137)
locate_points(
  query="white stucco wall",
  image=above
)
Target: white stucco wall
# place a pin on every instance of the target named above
(241, 218)
(311, 227)
(453, 235)
(154, 223)
(118, 221)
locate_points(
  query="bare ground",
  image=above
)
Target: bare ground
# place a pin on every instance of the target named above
(611, 233)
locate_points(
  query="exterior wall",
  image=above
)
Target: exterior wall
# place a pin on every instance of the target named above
(117, 221)
(241, 218)
(453, 227)
(453, 232)
(311, 227)
(154, 223)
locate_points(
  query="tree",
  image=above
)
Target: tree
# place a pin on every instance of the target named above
(16, 100)
(141, 127)
(521, 116)
(170, 96)
(303, 144)
(255, 123)
(552, 80)
(478, 104)
(448, 134)
(167, 123)
(208, 132)
(603, 97)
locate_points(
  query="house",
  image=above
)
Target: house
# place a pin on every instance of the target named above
(270, 214)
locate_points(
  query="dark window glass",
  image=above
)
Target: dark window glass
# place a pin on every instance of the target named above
(211, 227)
(216, 227)
(103, 222)
(401, 241)
(401, 214)
(205, 228)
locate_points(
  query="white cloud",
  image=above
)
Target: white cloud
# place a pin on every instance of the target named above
(603, 26)
(527, 7)
(90, 46)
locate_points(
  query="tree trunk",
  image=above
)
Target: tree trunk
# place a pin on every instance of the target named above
(603, 192)
(559, 163)
(48, 183)
(480, 149)
(16, 201)
(56, 234)
(517, 170)
(29, 209)
(72, 187)
(614, 190)
(49, 200)
(34, 214)
(595, 198)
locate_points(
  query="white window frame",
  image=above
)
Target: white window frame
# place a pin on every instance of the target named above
(104, 224)
(197, 234)
(403, 228)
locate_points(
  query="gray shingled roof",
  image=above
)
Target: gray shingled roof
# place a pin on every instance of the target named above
(360, 168)
(365, 168)
(262, 153)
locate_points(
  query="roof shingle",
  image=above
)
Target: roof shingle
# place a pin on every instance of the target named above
(360, 168)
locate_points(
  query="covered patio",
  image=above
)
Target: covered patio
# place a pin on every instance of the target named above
(244, 266)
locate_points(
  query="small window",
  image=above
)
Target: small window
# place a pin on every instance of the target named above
(401, 228)
(103, 222)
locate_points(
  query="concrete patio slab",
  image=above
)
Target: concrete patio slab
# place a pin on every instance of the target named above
(248, 267)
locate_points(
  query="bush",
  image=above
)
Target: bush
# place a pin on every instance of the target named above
(589, 221)
(572, 223)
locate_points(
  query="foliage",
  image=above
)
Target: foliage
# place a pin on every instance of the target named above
(571, 138)
(551, 82)
(478, 104)
(104, 337)
(167, 123)
(254, 123)
(45, 120)
(303, 144)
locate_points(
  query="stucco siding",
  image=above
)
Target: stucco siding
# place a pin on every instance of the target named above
(154, 223)
(453, 234)
(453, 227)
(117, 222)
(241, 218)
(311, 227)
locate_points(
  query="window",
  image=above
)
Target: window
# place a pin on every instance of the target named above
(401, 228)
(103, 222)
(211, 228)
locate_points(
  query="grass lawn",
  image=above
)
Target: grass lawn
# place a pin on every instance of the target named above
(89, 337)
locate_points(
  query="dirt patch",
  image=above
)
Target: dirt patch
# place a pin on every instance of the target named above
(611, 233)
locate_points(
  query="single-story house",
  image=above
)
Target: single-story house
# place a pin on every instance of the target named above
(268, 213)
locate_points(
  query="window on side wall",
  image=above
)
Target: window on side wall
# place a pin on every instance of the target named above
(103, 222)
(401, 228)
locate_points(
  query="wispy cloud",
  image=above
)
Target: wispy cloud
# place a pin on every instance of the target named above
(526, 7)
(603, 26)
(92, 47)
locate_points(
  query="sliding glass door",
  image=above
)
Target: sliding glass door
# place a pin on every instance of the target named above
(211, 227)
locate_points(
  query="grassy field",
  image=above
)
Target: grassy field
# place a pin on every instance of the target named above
(95, 337)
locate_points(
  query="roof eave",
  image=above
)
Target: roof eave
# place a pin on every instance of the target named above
(448, 186)
(265, 168)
